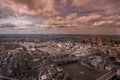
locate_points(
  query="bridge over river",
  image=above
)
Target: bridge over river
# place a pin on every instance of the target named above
(67, 60)
(74, 70)
(109, 75)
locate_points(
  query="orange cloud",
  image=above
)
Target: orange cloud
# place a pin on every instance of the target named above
(32, 7)
(61, 14)
(109, 21)
(80, 3)
(67, 22)
(91, 17)
(63, 1)
(86, 3)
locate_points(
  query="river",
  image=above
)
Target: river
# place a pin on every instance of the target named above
(80, 72)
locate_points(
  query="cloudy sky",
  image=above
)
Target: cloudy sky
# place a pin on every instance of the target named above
(60, 17)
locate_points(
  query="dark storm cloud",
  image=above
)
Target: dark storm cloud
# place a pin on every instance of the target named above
(7, 25)
(5, 12)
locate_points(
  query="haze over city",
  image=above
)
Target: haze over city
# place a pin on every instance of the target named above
(60, 17)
